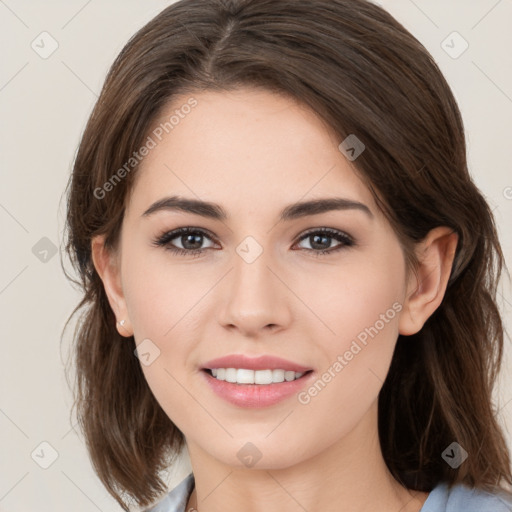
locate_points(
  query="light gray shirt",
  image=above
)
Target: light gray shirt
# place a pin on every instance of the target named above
(459, 498)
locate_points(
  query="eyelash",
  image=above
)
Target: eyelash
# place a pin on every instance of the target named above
(165, 239)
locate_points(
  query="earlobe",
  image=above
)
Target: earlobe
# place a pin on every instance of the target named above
(426, 287)
(106, 265)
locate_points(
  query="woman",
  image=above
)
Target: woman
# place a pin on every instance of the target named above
(287, 269)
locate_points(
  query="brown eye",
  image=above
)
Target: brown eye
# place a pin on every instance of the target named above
(190, 239)
(320, 240)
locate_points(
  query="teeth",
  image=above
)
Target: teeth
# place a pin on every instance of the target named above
(243, 376)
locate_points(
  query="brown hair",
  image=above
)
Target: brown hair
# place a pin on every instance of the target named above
(363, 73)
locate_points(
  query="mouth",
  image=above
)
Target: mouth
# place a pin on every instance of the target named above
(256, 389)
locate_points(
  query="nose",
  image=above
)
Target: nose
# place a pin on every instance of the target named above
(255, 299)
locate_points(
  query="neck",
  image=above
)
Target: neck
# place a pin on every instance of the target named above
(350, 475)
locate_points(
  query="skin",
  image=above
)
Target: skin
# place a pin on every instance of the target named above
(255, 152)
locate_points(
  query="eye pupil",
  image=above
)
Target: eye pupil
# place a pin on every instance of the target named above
(319, 240)
(191, 238)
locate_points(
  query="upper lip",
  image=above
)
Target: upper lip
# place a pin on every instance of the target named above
(264, 362)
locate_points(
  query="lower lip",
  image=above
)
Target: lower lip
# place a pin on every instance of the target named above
(256, 395)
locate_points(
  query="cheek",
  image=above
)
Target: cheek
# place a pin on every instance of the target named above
(360, 303)
(159, 293)
(162, 304)
(357, 295)
(160, 300)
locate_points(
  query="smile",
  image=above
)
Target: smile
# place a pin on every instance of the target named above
(253, 394)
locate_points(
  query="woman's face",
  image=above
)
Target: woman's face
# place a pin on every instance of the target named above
(260, 286)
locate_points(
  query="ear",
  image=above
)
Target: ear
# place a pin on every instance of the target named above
(106, 263)
(425, 291)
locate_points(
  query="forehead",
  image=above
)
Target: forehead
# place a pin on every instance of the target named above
(247, 148)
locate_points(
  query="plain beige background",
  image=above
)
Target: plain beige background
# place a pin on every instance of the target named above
(45, 101)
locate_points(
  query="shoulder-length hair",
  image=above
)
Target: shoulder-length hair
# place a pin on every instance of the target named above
(363, 73)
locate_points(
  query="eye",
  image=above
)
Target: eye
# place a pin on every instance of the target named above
(190, 239)
(320, 240)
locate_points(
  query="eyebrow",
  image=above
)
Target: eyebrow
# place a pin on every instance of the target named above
(291, 212)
